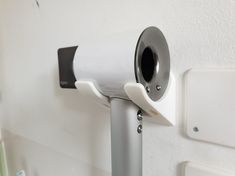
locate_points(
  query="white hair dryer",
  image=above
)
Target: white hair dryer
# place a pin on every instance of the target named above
(129, 72)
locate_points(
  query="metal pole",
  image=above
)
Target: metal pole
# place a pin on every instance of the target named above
(126, 138)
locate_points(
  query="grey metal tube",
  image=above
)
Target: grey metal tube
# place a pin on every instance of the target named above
(126, 138)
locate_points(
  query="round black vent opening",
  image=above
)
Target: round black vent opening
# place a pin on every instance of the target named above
(148, 64)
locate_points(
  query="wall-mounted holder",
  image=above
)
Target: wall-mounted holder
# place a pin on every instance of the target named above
(163, 111)
(88, 89)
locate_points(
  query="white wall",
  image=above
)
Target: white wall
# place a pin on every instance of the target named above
(59, 133)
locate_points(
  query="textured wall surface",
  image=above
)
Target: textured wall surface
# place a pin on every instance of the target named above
(49, 131)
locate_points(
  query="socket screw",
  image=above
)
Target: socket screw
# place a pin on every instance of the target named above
(139, 129)
(196, 129)
(139, 115)
(147, 89)
(158, 87)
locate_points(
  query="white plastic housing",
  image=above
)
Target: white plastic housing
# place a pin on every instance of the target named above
(108, 63)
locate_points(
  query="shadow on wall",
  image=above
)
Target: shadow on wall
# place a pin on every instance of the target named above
(80, 120)
(97, 122)
(38, 160)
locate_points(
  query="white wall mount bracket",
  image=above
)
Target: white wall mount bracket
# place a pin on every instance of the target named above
(163, 111)
(88, 89)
